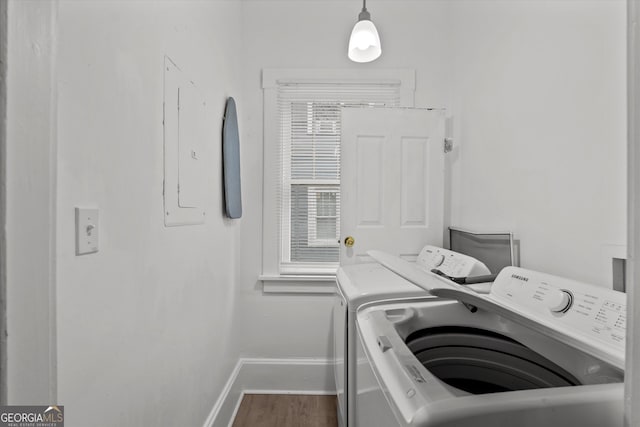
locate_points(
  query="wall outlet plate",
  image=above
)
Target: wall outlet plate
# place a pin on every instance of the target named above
(87, 230)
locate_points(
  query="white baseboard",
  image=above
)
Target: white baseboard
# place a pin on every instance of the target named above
(270, 376)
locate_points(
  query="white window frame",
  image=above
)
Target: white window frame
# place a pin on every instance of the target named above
(312, 216)
(287, 281)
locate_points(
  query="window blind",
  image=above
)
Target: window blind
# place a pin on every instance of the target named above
(309, 194)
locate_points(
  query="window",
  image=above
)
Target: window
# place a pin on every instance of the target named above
(302, 166)
(323, 221)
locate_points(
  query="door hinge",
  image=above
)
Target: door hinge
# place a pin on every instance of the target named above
(448, 145)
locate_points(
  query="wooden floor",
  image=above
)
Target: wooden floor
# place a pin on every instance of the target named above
(286, 410)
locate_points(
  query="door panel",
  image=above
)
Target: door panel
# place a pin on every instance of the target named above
(414, 185)
(369, 183)
(392, 181)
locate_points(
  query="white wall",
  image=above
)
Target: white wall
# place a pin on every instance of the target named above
(314, 34)
(144, 324)
(30, 191)
(536, 90)
(147, 325)
(539, 107)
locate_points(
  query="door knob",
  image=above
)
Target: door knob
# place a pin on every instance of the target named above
(349, 241)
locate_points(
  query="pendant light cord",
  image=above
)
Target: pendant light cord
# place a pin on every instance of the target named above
(364, 15)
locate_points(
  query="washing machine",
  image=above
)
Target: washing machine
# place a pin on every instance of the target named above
(372, 283)
(538, 350)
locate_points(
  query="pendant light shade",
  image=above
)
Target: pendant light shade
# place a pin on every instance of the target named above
(364, 43)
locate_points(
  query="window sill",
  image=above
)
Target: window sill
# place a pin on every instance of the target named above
(298, 284)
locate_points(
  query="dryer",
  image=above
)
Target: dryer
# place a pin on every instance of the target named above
(538, 350)
(371, 283)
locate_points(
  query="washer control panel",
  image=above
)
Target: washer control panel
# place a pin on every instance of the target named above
(577, 308)
(452, 264)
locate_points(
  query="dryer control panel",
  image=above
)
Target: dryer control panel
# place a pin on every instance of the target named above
(577, 309)
(452, 264)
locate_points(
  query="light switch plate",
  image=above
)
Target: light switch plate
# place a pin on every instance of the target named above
(87, 231)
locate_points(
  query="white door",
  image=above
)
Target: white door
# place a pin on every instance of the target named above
(392, 181)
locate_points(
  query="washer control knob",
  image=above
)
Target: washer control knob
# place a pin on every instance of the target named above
(559, 301)
(438, 260)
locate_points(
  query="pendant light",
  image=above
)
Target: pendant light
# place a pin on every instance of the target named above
(364, 43)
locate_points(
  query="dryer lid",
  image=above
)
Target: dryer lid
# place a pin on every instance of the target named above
(411, 271)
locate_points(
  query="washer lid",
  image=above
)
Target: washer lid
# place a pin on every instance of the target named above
(590, 318)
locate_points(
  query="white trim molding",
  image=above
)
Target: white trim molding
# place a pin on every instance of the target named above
(270, 376)
(632, 368)
(295, 284)
(3, 201)
(31, 202)
(405, 76)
